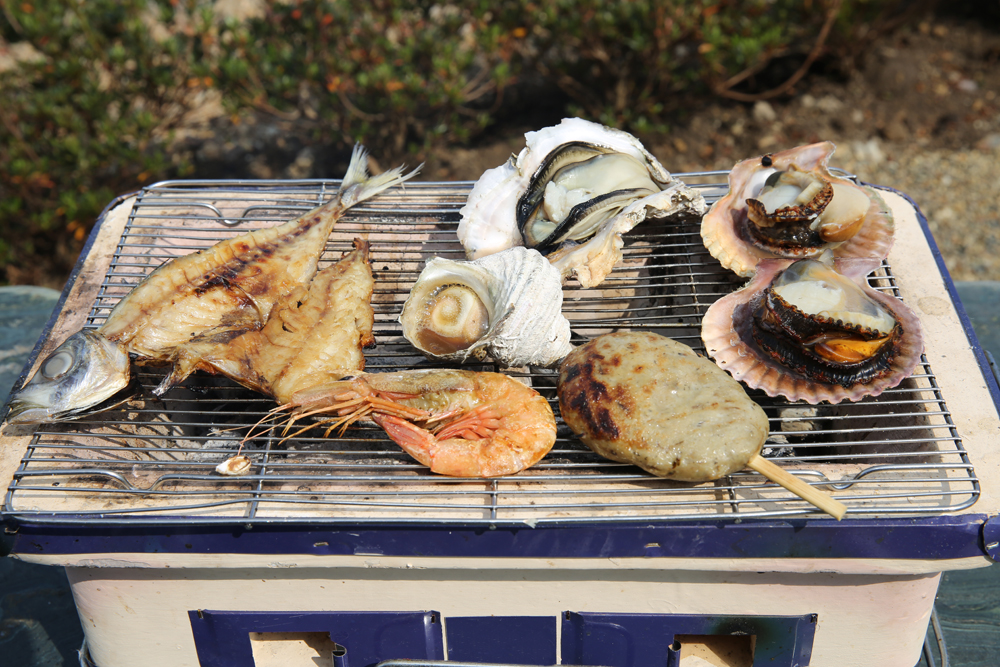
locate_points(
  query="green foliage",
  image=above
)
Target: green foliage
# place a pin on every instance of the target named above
(92, 117)
(77, 120)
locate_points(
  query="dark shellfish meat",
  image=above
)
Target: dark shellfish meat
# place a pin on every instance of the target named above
(789, 205)
(814, 330)
(818, 323)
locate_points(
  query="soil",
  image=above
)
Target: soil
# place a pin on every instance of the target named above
(918, 111)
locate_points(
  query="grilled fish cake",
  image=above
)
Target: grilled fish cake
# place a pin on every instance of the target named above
(648, 400)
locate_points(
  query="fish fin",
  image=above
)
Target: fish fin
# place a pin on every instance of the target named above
(358, 185)
(183, 366)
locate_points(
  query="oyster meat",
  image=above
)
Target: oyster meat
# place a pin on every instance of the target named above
(571, 193)
(813, 330)
(788, 204)
(507, 306)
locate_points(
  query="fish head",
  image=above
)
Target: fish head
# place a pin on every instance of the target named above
(83, 372)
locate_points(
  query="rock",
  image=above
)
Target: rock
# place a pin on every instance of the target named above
(946, 214)
(763, 112)
(967, 86)
(868, 151)
(990, 142)
(830, 104)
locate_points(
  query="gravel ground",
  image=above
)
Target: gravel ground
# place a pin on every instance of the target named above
(958, 192)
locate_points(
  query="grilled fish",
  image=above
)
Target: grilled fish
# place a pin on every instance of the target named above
(312, 337)
(213, 295)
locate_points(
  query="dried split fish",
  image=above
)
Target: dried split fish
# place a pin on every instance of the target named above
(216, 294)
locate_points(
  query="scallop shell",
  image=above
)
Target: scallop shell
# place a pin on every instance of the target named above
(234, 466)
(489, 223)
(725, 332)
(522, 294)
(723, 229)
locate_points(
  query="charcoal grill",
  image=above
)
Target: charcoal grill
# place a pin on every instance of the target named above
(584, 544)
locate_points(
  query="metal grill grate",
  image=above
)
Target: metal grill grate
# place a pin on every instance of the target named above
(152, 460)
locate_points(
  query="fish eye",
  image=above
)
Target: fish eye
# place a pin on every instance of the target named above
(57, 364)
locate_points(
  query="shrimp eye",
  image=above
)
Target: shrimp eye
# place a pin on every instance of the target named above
(57, 364)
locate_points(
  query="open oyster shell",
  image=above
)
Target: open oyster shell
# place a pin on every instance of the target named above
(737, 228)
(507, 306)
(571, 193)
(880, 321)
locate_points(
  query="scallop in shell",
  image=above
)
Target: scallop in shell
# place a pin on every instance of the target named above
(813, 330)
(788, 204)
(571, 193)
(507, 306)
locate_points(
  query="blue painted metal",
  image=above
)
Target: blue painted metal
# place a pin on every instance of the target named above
(222, 638)
(340, 656)
(635, 640)
(942, 538)
(674, 655)
(522, 640)
(991, 537)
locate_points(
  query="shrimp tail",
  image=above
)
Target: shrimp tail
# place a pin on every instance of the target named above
(358, 185)
(457, 453)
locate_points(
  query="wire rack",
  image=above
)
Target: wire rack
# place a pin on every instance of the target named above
(153, 460)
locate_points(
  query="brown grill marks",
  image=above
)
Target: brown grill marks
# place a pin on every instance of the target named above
(590, 401)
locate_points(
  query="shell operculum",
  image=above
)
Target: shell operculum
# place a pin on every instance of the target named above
(453, 317)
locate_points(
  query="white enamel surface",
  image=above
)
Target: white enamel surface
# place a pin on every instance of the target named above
(863, 620)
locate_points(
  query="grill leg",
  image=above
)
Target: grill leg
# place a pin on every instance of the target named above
(942, 648)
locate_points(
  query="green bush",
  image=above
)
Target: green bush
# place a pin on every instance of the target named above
(93, 116)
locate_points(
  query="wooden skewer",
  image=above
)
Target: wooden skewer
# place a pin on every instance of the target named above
(778, 475)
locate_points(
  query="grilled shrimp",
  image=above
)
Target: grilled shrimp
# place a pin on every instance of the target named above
(458, 423)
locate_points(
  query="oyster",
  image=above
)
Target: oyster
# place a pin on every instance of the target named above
(571, 193)
(789, 205)
(813, 330)
(507, 306)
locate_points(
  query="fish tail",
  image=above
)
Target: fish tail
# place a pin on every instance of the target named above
(358, 185)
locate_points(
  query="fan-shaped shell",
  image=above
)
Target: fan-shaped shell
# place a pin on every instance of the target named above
(521, 294)
(729, 341)
(724, 228)
(489, 218)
